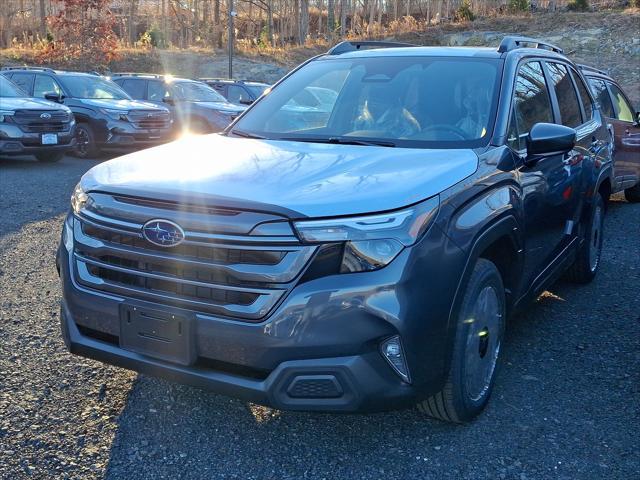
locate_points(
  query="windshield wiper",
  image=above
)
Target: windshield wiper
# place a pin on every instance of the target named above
(341, 141)
(240, 133)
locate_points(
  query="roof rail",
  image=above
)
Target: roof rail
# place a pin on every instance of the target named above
(134, 74)
(512, 42)
(593, 69)
(40, 69)
(216, 79)
(344, 47)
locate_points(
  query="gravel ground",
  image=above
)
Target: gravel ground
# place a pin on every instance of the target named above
(566, 403)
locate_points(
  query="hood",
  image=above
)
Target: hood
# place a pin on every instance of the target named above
(11, 103)
(122, 104)
(292, 178)
(222, 106)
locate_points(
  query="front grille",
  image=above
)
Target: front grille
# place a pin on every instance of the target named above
(242, 276)
(148, 119)
(32, 121)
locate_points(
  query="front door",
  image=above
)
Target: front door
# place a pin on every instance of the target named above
(627, 139)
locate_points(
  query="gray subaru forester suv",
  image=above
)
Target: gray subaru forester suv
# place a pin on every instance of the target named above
(363, 259)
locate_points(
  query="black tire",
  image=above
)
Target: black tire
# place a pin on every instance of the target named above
(85, 142)
(633, 194)
(587, 261)
(465, 395)
(49, 157)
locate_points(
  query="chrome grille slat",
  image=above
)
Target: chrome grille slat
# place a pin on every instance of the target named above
(241, 276)
(281, 272)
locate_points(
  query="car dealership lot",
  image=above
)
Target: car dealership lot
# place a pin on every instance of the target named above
(565, 405)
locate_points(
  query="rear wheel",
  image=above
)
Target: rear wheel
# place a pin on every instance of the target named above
(587, 261)
(85, 142)
(633, 194)
(479, 335)
(50, 157)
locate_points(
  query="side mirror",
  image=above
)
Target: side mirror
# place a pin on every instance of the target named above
(547, 139)
(54, 97)
(637, 122)
(246, 101)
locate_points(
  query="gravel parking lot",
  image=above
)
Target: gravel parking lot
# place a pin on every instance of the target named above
(566, 403)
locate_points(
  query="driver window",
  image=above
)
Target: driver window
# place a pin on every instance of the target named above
(237, 94)
(531, 103)
(45, 84)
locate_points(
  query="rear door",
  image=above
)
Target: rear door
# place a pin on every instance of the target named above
(627, 138)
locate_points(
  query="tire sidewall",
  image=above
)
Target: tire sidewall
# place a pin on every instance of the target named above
(485, 274)
(598, 202)
(90, 147)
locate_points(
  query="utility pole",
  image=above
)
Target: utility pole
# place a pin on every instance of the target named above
(231, 35)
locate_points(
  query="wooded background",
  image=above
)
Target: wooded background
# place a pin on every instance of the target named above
(274, 23)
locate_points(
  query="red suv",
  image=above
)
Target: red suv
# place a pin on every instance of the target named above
(624, 125)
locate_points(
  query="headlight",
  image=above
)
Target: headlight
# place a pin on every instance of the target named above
(372, 241)
(5, 113)
(78, 199)
(116, 114)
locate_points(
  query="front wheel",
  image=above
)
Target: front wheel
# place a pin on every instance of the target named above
(85, 142)
(50, 157)
(478, 338)
(633, 194)
(587, 260)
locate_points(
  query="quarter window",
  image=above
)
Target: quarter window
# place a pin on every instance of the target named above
(565, 92)
(45, 84)
(601, 93)
(625, 112)
(531, 101)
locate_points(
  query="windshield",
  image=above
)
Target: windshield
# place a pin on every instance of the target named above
(404, 101)
(9, 89)
(196, 92)
(81, 86)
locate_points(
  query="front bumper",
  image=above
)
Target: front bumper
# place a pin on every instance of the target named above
(121, 135)
(14, 141)
(319, 349)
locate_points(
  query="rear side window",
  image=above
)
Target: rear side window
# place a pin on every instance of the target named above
(625, 112)
(587, 103)
(531, 101)
(135, 88)
(567, 96)
(24, 81)
(601, 93)
(45, 84)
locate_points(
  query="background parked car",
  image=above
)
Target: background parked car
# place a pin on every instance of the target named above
(195, 106)
(108, 119)
(33, 126)
(625, 123)
(238, 92)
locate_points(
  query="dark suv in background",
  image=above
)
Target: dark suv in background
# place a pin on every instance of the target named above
(239, 92)
(367, 260)
(107, 117)
(624, 123)
(195, 106)
(33, 126)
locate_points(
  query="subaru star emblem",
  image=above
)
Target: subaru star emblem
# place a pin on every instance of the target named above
(45, 116)
(163, 233)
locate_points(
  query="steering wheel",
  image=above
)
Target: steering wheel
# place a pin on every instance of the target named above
(443, 127)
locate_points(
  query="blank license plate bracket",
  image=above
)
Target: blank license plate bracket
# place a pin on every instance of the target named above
(161, 334)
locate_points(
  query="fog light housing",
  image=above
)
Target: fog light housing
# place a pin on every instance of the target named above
(393, 353)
